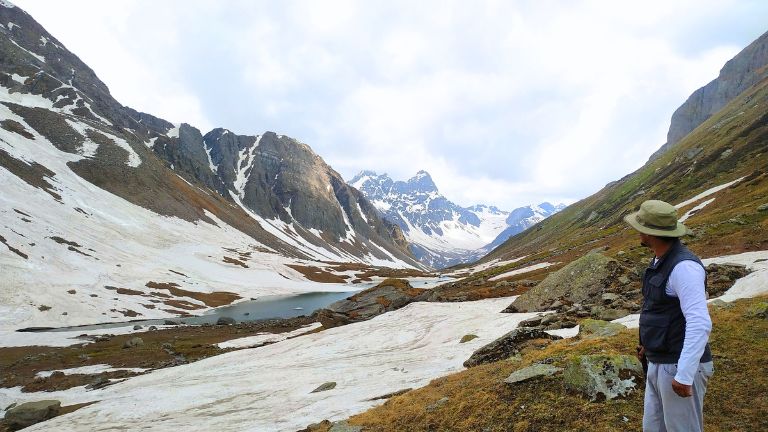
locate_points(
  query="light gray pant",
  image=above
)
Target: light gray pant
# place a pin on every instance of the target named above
(664, 410)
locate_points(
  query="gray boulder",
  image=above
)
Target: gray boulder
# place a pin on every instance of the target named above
(603, 376)
(343, 426)
(437, 404)
(389, 295)
(530, 372)
(576, 282)
(133, 342)
(325, 387)
(30, 413)
(226, 321)
(590, 328)
(506, 346)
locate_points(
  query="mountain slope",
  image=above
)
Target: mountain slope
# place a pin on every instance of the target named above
(110, 213)
(741, 72)
(717, 176)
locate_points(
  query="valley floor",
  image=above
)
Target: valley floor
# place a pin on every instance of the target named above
(270, 388)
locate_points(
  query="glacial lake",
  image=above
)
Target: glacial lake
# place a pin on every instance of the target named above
(265, 307)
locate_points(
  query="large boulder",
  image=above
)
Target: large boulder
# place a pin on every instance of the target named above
(30, 413)
(603, 376)
(389, 295)
(586, 277)
(506, 346)
(591, 328)
(531, 372)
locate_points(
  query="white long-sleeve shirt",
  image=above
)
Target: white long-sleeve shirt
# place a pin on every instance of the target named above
(686, 282)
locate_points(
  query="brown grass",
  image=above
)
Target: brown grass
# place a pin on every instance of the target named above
(318, 275)
(479, 400)
(214, 299)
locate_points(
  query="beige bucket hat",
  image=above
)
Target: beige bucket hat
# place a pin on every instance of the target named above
(657, 218)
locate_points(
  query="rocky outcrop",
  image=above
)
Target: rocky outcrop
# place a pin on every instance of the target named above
(389, 295)
(325, 387)
(30, 413)
(507, 346)
(583, 279)
(603, 376)
(741, 72)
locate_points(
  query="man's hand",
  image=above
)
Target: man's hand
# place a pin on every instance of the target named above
(682, 390)
(640, 352)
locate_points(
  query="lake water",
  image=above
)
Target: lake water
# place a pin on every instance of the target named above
(251, 310)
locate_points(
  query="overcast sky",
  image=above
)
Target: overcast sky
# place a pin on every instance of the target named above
(503, 102)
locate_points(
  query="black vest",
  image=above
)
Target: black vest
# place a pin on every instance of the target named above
(662, 324)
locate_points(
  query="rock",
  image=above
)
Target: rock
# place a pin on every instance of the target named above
(609, 298)
(97, 383)
(530, 372)
(437, 404)
(391, 395)
(608, 314)
(133, 342)
(468, 337)
(30, 413)
(531, 322)
(589, 328)
(603, 376)
(763, 208)
(226, 321)
(389, 295)
(556, 305)
(720, 304)
(152, 328)
(325, 387)
(137, 327)
(510, 309)
(574, 283)
(171, 322)
(758, 310)
(503, 284)
(343, 426)
(506, 346)
(623, 280)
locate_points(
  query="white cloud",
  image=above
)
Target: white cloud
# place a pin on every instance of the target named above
(504, 103)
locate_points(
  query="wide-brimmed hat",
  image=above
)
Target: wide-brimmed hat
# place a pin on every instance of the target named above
(657, 218)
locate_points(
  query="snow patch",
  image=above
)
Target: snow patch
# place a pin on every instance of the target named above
(263, 338)
(522, 270)
(708, 192)
(88, 370)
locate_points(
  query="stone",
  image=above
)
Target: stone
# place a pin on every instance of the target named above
(30, 413)
(608, 314)
(603, 376)
(468, 337)
(437, 404)
(510, 309)
(531, 322)
(325, 387)
(530, 372)
(389, 295)
(226, 321)
(758, 310)
(137, 327)
(590, 328)
(171, 322)
(574, 283)
(763, 207)
(506, 346)
(549, 319)
(343, 426)
(609, 298)
(97, 383)
(152, 328)
(133, 342)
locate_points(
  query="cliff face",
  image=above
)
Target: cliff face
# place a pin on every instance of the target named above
(746, 69)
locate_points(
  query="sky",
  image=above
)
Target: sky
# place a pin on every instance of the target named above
(504, 103)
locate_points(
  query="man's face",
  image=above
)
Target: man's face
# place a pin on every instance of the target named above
(644, 240)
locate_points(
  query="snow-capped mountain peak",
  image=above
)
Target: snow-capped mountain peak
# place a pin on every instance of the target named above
(440, 232)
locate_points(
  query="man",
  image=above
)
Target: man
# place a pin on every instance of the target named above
(674, 324)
